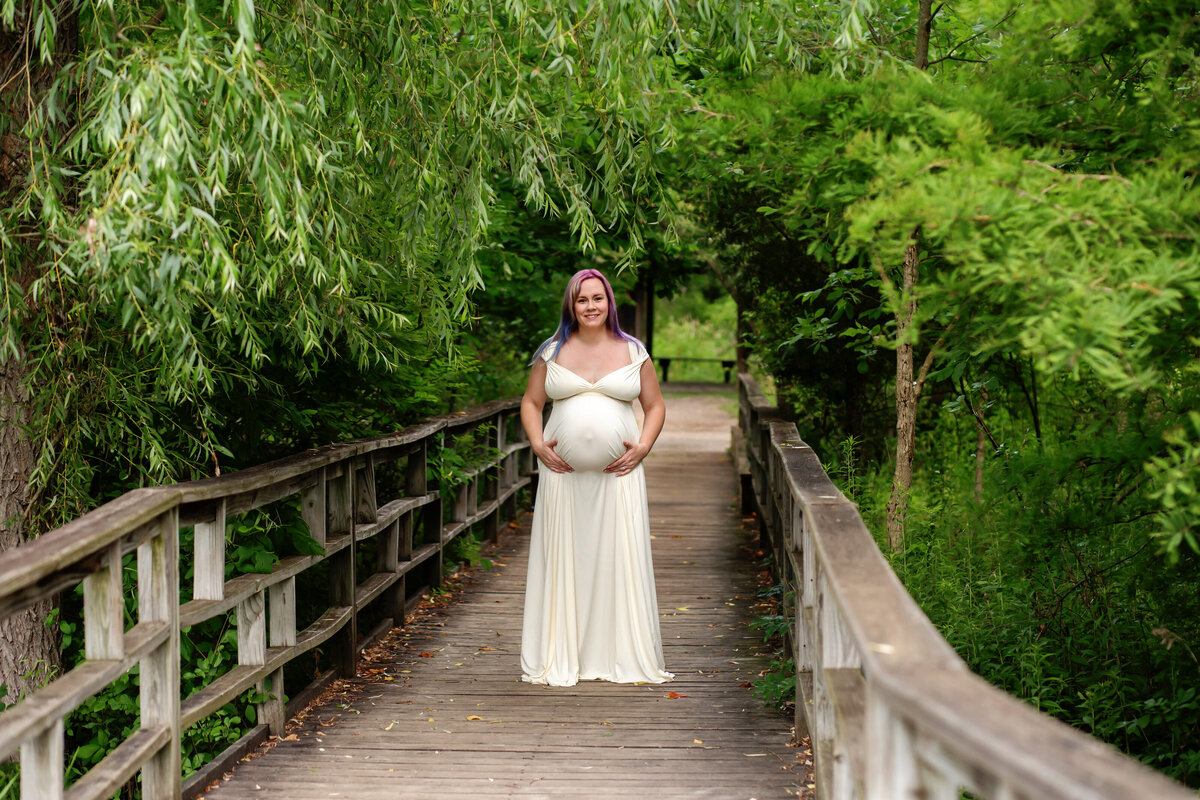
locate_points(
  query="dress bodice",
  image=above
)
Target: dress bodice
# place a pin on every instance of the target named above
(623, 383)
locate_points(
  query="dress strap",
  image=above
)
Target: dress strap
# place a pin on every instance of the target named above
(637, 353)
(546, 354)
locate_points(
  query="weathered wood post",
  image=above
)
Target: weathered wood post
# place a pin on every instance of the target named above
(281, 617)
(158, 601)
(339, 521)
(208, 576)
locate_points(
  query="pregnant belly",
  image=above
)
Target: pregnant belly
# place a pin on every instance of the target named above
(591, 430)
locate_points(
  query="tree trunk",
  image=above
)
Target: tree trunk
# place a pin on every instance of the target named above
(907, 384)
(29, 653)
(924, 28)
(906, 401)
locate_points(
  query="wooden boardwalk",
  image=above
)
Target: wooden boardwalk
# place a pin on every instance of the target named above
(443, 714)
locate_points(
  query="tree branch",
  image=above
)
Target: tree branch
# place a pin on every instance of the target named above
(969, 39)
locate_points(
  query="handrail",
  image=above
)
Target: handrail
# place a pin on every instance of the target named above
(337, 489)
(727, 364)
(891, 709)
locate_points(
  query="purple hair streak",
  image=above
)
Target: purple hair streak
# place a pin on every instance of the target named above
(568, 324)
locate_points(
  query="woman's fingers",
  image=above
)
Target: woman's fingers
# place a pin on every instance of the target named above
(552, 459)
(625, 463)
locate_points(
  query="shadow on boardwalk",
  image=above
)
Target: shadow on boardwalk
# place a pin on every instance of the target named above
(442, 712)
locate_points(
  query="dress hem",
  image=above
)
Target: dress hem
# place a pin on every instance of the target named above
(667, 677)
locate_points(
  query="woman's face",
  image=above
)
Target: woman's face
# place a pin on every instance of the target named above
(591, 304)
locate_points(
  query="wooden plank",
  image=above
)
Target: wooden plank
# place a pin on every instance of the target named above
(42, 764)
(365, 506)
(596, 739)
(374, 586)
(208, 581)
(32, 571)
(158, 672)
(238, 589)
(237, 680)
(300, 464)
(54, 701)
(252, 630)
(848, 693)
(104, 609)
(312, 507)
(390, 512)
(273, 492)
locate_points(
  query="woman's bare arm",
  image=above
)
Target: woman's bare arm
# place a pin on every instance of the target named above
(532, 404)
(655, 410)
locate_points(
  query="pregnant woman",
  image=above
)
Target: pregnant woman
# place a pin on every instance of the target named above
(590, 607)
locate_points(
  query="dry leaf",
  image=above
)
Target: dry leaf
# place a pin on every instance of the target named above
(675, 695)
(473, 717)
(697, 741)
(426, 655)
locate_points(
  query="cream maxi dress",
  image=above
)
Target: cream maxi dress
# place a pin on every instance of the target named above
(590, 606)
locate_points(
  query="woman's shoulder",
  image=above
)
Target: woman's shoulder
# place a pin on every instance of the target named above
(547, 351)
(636, 348)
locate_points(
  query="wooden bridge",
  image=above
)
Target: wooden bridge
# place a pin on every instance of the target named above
(438, 712)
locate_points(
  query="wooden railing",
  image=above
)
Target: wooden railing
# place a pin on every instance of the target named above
(727, 364)
(336, 488)
(891, 709)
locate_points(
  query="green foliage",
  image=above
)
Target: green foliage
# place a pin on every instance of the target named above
(256, 540)
(776, 685)
(1050, 585)
(700, 322)
(467, 548)
(1044, 167)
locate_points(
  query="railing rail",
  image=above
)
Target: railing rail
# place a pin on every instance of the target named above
(891, 709)
(337, 491)
(727, 364)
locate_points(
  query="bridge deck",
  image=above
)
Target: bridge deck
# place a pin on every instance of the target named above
(443, 714)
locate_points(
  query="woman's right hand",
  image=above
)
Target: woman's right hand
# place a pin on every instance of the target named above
(552, 460)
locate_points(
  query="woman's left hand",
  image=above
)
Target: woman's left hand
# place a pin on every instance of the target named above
(634, 453)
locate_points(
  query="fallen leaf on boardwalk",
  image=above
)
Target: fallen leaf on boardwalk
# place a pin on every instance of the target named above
(431, 719)
(675, 695)
(697, 741)
(426, 655)
(388, 678)
(473, 717)
(753, 755)
(290, 738)
(745, 685)
(681, 608)
(391, 725)
(494, 649)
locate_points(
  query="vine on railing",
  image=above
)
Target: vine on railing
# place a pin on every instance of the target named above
(360, 562)
(891, 710)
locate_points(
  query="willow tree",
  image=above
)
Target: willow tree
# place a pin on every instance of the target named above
(197, 193)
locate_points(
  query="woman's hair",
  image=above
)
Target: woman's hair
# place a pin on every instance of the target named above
(568, 324)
